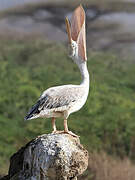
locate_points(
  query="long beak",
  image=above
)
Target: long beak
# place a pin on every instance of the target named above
(68, 30)
(81, 39)
(77, 31)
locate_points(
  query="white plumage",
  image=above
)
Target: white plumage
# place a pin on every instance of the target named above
(61, 101)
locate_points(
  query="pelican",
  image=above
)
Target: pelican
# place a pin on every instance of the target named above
(61, 101)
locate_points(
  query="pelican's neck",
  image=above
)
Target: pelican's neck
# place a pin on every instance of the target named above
(80, 63)
(84, 74)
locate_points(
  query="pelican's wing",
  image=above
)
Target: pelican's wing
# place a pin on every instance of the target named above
(60, 96)
(56, 99)
(55, 102)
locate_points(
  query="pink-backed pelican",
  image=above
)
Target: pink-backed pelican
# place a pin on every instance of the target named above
(61, 101)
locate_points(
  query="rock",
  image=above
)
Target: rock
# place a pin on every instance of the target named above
(4, 178)
(49, 157)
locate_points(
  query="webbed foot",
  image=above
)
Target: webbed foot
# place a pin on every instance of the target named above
(65, 132)
(71, 133)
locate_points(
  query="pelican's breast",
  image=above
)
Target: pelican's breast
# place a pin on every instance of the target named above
(82, 95)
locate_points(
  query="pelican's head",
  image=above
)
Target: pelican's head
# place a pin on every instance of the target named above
(73, 49)
(77, 35)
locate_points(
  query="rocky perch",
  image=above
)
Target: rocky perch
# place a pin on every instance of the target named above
(49, 157)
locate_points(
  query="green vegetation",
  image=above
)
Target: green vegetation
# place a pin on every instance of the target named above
(28, 67)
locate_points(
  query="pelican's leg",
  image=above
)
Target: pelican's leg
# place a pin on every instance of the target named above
(53, 125)
(65, 126)
(66, 129)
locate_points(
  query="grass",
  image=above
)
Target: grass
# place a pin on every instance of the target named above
(105, 167)
(28, 67)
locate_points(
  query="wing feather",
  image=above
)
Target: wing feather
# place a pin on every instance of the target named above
(54, 99)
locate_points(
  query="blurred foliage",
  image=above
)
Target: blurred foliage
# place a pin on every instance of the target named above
(28, 67)
(103, 5)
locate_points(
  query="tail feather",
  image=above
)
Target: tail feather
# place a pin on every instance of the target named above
(33, 113)
(33, 116)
